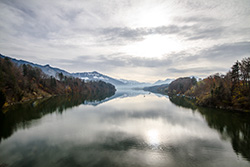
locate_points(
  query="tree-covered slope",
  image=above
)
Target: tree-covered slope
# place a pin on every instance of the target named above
(23, 82)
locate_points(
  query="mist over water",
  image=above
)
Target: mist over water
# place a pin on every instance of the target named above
(130, 128)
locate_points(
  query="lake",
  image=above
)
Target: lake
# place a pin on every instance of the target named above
(130, 128)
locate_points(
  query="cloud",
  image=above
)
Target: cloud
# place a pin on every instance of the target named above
(228, 51)
(197, 70)
(138, 33)
(195, 19)
(132, 67)
(200, 37)
(119, 60)
(205, 33)
(117, 35)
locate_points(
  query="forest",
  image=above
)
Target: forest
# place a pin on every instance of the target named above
(230, 91)
(22, 83)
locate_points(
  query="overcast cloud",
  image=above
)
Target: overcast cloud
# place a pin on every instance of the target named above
(143, 40)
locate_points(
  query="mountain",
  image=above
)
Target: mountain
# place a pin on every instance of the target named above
(129, 82)
(197, 78)
(88, 76)
(181, 85)
(157, 88)
(161, 82)
(168, 81)
(47, 69)
(95, 76)
(134, 84)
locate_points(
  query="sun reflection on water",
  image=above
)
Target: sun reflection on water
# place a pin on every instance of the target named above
(153, 138)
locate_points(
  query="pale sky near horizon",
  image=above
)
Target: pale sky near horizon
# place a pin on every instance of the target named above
(143, 40)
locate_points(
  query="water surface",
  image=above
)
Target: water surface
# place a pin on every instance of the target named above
(132, 128)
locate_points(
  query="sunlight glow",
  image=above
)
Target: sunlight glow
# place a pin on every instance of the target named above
(150, 14)
(153, 46)
(153, 137)
(151, 17)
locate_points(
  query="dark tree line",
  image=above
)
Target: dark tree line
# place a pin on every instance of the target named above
(240, 73)
(230, 91)
(21, 83)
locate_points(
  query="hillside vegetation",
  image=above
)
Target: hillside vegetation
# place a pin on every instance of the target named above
(157, 89)
(226, 91)
(21, 83)
(230, 91)
(181, 85)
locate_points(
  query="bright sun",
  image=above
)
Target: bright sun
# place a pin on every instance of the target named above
(149, 14)
(151, 18)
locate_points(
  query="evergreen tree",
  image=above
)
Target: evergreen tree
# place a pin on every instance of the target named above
(2, 99)
(25, 69)
(235, 73)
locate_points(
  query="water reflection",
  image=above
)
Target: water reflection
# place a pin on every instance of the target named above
(129, 129)
(231, 125)
(19, 116)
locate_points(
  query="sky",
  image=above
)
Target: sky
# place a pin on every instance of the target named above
(143, 40)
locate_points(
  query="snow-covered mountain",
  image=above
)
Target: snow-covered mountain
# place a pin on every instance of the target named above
(95, 76)
(47, 69)
(129, 82)
(161, 82)
(88, 76)
(132, 83)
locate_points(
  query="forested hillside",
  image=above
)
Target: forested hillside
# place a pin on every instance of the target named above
(22, 83)
(157, 89)
(230, 91)
(181, 85)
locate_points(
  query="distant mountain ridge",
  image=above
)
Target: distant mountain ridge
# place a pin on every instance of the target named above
(95, 76)
(163, 86)
(169, 81)
(47, 69)
(92, 76)
(157, 88)
(88, 76)
(161, 82)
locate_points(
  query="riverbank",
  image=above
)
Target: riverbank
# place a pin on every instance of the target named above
(195, 101)
(25, 100)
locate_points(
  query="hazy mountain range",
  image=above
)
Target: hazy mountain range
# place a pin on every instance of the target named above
(91, 76)
(87, 76)
(161, 82)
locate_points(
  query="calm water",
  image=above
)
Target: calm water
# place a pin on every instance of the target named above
(133, 128)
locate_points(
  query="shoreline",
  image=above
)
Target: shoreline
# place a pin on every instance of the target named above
(7, 105)
(229, 108)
